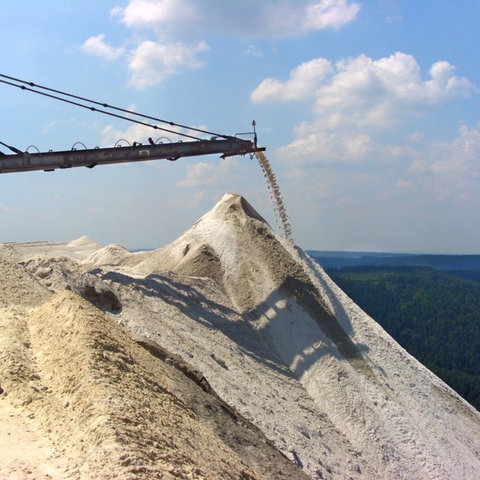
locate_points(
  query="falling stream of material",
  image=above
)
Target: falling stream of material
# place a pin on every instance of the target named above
(282, 217)
(274, 189)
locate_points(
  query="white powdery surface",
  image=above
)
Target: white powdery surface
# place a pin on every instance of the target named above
(282, 344)
(391, 408)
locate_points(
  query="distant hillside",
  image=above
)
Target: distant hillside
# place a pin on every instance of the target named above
(350, 259)
(433, 314)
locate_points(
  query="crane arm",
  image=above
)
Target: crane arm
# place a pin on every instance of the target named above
(49, 161)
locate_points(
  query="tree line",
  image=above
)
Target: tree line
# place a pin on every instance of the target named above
(434, 315)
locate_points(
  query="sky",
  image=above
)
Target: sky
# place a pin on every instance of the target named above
(368, 109)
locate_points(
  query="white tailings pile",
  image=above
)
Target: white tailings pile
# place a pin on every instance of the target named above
(272, 335)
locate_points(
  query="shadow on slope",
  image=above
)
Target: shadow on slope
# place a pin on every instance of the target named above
(194, 304)
(303, 331)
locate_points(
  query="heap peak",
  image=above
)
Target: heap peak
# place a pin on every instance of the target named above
(234, 203)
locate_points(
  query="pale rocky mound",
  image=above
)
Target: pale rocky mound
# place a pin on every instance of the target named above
(113, 255)
(375, 412)
(83, 243)
(25, 453)
(111, 409)
(253, 323)
(78, 249)
(18, 288)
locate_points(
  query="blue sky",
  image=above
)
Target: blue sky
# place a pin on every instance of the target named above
(369, 111)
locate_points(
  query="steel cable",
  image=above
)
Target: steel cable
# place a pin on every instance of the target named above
(30, 86)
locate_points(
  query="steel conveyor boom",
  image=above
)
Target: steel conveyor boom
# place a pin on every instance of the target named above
(49, 161)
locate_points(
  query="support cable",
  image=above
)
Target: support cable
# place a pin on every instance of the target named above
(31, 87)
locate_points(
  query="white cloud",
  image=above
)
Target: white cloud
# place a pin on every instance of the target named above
(9, 208)
(205, 174)
(277, 18)
(164, 133)
(173, 32)
(303, 82)
(253, 51)
(329, 13)
(133, 133)
(404, 185)
(158, 14)
(384, 201)
(424, 173)
(152, 62)
(313, 146)
(444, 83)
(449, 168)
(192, 201)
(365, 123)
(456, 162)
(364, 93)
(427, 175)
(295, 18)
(201, 173)
(96, 46)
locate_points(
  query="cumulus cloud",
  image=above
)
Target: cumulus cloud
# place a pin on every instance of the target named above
(356, 99)
(141, 133)
(97, 46)
(313, 145)
(425, 189)
(152, 62)
(133, 133)
(158, 14)
(362, 92)
(458, 158)
(365, 122)
(203, 174)
(404, 185)
(174, 32)
(450, 169)
(293, 18)
(9, 208)
(426, 172)
(303, 82)
(278, 18)
(329, 13)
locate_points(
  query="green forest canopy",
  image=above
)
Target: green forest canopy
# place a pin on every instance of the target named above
(434, 315)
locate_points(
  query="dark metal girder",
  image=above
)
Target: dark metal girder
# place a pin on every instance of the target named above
(49, 161)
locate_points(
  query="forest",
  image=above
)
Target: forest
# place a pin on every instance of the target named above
(433, 314)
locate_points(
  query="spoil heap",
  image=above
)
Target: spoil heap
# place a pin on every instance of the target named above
(89, 401)
(235, 326)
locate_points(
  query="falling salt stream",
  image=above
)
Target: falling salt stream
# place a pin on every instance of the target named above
(282, 216)
(274, 189)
